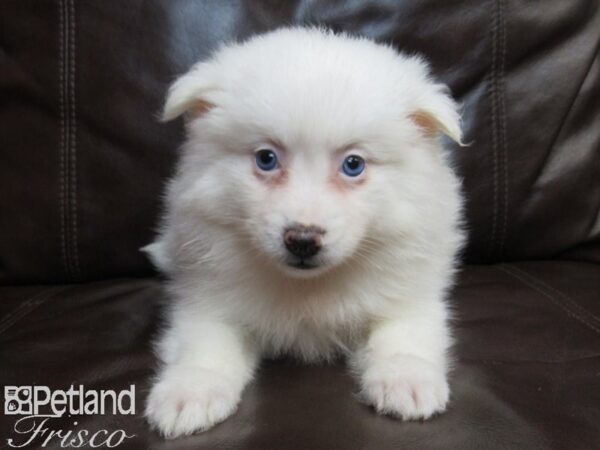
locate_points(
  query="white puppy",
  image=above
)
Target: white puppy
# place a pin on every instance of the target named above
(313, 213)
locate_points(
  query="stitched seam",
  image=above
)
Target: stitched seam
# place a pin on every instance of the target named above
(542, 285)
(73, 152)
(556, 302)
(560, 294)
(62, 143)
(548, 296)
(67, 149)
(502, 120)
(493, 107)
(27, 306)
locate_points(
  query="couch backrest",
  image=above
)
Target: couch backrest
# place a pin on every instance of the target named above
(83, 159)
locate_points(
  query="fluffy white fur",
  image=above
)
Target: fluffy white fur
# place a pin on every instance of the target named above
(391, 234)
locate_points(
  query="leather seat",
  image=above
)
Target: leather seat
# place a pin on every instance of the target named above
(83, 162)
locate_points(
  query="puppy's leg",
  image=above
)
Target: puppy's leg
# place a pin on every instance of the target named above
(207, 364)
(402, 366)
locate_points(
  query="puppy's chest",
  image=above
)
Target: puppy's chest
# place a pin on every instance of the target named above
(309, 337)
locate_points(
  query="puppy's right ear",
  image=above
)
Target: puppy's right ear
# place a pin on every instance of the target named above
(190, 94)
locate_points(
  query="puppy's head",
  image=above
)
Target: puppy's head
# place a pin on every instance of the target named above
(310, 147)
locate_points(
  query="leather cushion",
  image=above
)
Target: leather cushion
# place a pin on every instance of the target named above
(528, 340)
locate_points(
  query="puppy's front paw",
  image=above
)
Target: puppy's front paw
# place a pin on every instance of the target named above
(406, 387)
(184, 401)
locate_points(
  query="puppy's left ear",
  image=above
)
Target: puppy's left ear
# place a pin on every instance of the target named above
(437, 113)
(190, 94)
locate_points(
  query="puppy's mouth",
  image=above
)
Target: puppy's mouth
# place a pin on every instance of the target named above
(302, 264)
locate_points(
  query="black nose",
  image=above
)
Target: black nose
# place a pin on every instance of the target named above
(303, 241)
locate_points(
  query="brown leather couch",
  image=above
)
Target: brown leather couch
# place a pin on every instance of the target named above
(83, 161)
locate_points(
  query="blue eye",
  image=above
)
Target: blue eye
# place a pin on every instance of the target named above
(353, 165)
(266, 160)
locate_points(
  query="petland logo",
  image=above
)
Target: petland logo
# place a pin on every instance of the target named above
(38, 405)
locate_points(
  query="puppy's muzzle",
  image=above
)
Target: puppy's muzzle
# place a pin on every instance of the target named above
(303, 241)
